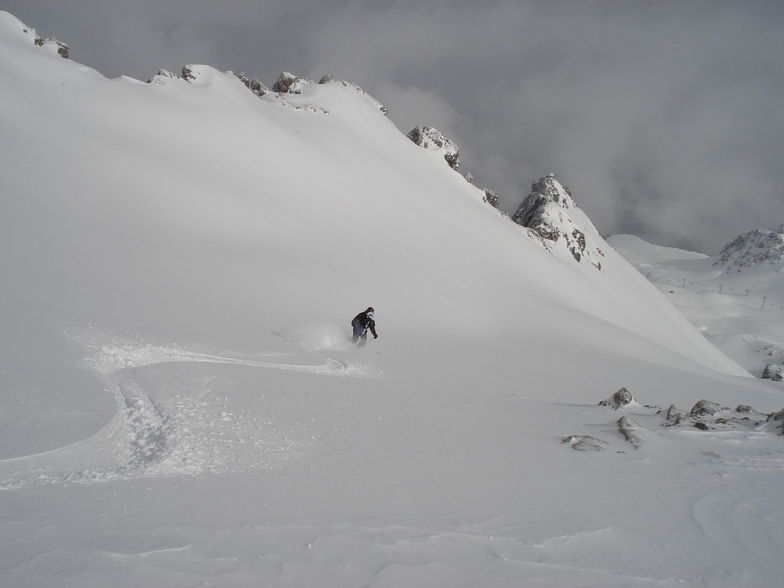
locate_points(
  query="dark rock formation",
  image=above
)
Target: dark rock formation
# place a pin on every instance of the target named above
(434, 140)
(62, 49)
(491, 198)
(289, 84)
(252, 84)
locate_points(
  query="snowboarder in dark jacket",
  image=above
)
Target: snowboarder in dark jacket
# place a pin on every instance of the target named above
(361, 323)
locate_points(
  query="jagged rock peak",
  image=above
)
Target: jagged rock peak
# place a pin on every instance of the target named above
(288, 83)
(547, 212)
(752, 249)
(433, 140)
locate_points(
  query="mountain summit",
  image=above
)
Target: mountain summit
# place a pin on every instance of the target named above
(551, 213)
(752, 249)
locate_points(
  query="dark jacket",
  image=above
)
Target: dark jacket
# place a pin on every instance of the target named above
(364, 321)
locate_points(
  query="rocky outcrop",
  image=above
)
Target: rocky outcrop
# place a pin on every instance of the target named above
(704, 415)
(491, 198)
(752, 249)
(63, 50)
(547, 211)
(187, 74)
(773, 372)
(704, 408)
(584, 442)
(288, 83)
(252, 84)
(433, 140)
(777, 418)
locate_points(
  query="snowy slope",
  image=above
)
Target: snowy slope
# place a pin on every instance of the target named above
(735, 298)
(181, 404)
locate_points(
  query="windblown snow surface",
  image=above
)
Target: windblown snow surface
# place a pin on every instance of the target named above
(181, 405)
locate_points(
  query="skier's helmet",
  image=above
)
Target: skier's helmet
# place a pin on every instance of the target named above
(370, 310)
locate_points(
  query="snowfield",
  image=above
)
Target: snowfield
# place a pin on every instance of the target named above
(181, 405)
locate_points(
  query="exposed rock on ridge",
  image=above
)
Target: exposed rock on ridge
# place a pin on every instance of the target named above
(433, 140)
(546, 211)
(62, 49)
(288, 83)
(253, 84)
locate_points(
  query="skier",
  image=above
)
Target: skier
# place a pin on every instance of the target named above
(361, 323)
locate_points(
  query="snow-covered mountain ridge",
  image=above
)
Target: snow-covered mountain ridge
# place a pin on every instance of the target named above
(181, 404)
(752, 249)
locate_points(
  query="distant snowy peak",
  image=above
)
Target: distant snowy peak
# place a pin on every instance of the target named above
(433, 140)
(752, 249)
(549, 212)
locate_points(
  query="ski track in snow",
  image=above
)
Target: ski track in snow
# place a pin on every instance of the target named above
(185, 435)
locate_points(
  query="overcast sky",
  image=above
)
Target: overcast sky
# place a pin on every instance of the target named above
(664, 117)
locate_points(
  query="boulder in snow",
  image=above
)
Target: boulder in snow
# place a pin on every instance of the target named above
(584, 442)
(620, 399)
(704, 408)
(673, 417)
(772, 372)
(778, 417)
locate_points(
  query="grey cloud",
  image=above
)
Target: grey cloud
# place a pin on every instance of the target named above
(665, 118)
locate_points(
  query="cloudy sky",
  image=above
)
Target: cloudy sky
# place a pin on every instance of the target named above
(664, 117)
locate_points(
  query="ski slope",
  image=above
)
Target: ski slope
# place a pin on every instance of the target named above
(741, 312)
(181, 404)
